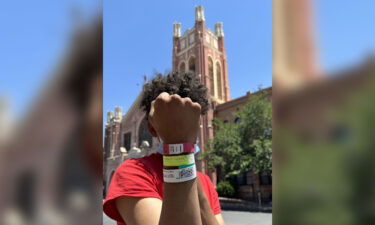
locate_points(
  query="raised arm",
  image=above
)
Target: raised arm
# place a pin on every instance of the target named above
(175, 120)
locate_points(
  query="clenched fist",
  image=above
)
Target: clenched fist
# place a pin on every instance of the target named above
(175, 119)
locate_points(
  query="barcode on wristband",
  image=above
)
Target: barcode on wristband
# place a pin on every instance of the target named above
(176, 149)
(179, 175)
(186, 172)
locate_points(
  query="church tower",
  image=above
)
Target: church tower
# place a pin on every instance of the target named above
(202, 52)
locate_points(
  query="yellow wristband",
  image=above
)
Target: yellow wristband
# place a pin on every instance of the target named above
(178, 160)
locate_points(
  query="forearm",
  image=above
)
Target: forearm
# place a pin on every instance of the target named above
(180, 204)
(208, 218)
(176, 120)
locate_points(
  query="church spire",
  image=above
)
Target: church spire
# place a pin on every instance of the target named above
(199, 13)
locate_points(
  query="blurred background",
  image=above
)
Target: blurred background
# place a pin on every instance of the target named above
(323, 112)
(50, 112)
(228, 45)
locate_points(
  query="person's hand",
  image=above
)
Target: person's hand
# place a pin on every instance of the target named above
(175, 119)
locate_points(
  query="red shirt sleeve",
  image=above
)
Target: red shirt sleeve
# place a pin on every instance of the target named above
(133, 179)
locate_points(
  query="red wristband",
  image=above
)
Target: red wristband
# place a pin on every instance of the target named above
(174, 149)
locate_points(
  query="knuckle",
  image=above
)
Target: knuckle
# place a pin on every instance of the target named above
(196, 106)
(175, 96)
(176, 99)
(163, 97)
(188, 100)
(163, 94)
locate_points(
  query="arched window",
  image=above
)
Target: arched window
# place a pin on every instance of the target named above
(211, 76)
(219, 81)
(127, 141)
(143, 133)
(182, 67)
(192, 64)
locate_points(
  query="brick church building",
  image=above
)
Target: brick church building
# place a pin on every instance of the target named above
(201, 51)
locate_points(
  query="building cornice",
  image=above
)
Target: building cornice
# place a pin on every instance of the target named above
(132, 108)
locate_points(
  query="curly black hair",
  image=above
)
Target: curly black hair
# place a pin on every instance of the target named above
(183, 84)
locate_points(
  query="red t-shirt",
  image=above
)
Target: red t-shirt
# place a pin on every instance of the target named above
(144, 178)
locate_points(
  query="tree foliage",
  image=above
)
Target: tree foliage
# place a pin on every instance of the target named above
(245, 145)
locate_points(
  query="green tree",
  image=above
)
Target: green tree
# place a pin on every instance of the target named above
(245, 145)
(223, 151)
(255, 133)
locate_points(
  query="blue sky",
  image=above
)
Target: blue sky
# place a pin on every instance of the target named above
(33, 38)
(137, 41)
(345, 32)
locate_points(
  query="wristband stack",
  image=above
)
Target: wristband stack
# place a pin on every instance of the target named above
(179, 162)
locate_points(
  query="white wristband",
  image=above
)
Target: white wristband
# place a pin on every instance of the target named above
(180, 175)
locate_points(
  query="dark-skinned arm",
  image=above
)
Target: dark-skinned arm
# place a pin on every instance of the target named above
(208, 217)
(174, 120)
